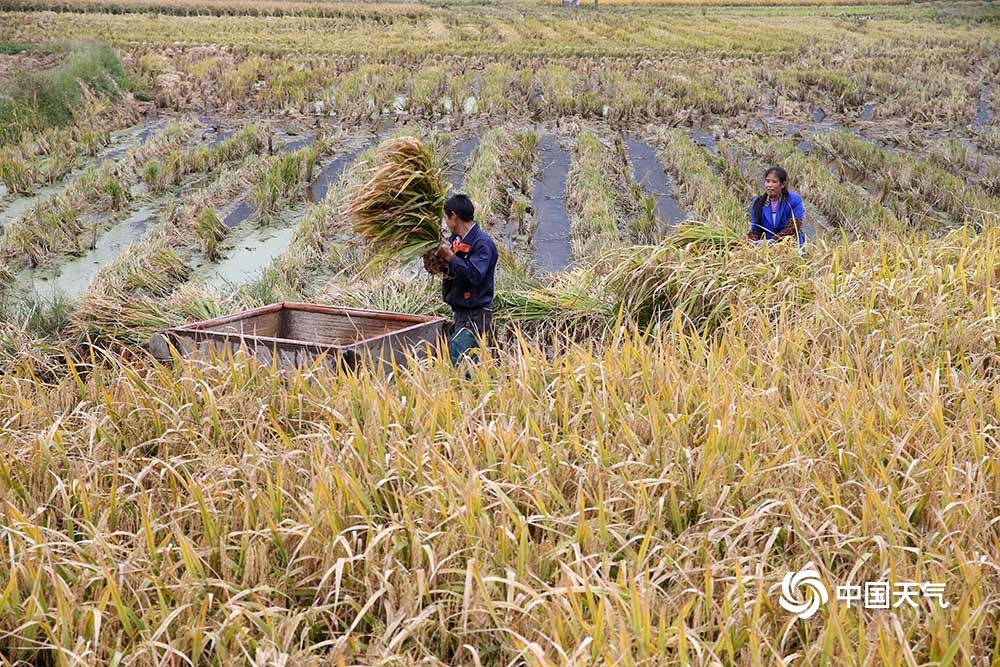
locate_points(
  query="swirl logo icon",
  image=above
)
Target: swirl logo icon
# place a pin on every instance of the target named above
(807, 578)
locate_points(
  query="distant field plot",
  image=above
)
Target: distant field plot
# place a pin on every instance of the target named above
(222, 7)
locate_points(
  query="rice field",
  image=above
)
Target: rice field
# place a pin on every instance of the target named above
(671, 419)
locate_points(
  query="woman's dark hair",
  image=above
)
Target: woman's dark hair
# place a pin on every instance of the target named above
(462, 205)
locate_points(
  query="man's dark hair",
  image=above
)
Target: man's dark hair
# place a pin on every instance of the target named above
(460, 205)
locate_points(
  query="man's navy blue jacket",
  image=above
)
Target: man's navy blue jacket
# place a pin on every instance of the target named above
(469, 283)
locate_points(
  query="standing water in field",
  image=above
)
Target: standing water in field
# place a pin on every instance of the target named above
(120, 143)
(238, 214)
(251, 257)
(295, 143)
(460, 162)
(551, 238)
(983, 114)
(74, 276)
(257, 249)
(328, 175)
(213, 130)
(647, 172)
(18, 207)
(705, 139)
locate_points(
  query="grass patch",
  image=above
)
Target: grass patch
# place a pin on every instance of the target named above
(13, 48)
(34, 101)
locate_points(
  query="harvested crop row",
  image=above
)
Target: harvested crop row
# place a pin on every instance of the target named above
(165, 171)
(925, 195)
(701, 189)
(47, 155)
(193, 225)
(224, 7)
(596, 197)
(56, 225)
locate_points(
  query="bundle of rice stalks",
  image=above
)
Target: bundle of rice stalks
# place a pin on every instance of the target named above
(149, 267)
(51, 225)
(210, 231)
(391, 292)
(282, 179)
(703, 235)
(160, 274)
(652, 284)
(435, 265)
(576, 303)
(132, 319)
(16, 172)
(398, 209)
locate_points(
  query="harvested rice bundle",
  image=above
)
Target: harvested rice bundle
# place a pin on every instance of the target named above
(434, 264)
(148, 267)
(131, 318)
(399, 208)
(701, 234)
(211, 231)
(574, 302)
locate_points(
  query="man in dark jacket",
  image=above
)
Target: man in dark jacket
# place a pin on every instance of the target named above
(471, 259)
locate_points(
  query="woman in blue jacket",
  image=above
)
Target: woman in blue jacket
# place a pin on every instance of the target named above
(778, 213)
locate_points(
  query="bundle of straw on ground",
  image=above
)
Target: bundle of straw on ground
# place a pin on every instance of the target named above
(394, 291)
(575, 303)
(702, 280)
(704, 235)
(398, 209)
(16, 172)
(697, 276)
(131, 298)
(130, 318)
(211, 231)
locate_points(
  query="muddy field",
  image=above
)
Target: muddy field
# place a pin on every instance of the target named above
(732, 154)
(615, 143)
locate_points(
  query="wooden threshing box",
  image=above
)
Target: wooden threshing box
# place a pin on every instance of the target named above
(296, 334)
